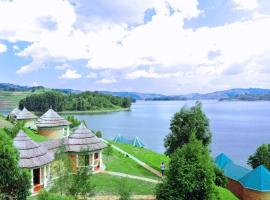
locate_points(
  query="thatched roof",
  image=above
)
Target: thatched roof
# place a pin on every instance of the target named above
(51, 119)
(83, 140)
(25, 114)
(15, 111)
(32, 154)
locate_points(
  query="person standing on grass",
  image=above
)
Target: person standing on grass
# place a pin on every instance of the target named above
(162, 167)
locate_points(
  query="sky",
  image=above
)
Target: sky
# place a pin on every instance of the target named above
(157, 46)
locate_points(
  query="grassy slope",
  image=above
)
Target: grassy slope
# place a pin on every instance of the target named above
(106, 184)
(34, 136)
(226, 194)
(150, 157)
(4, 123)
(10, 100)
(117, 162)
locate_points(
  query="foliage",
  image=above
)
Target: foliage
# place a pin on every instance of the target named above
(153, 159)
(73, 120)
(221, 180)
(41, 102)
(185, 122)
(260, 157)
(62, 167)
(14, 181)
(44, 195)
(224, 194)
(190, 174)
(108, 150)
(124, 191)
(98, 134)
(82, 185)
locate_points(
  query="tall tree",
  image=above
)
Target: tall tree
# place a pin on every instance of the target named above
(183, 123)
(14, 181)
(260, 157)
(190, 174)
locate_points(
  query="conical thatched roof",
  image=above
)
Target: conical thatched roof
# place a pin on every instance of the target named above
(15, 111)
(83, 140)
(51, 119)
(25, 114)
(32, 154)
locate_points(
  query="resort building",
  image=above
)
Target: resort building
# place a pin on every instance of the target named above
(52, 125)
(36, 157)
(85, 149)
(27, 117)
(14, 113)
(244, 183)
(82, 146)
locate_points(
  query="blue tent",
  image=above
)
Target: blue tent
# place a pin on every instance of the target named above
(222, 160)
(258, 179)
(134, 142)
(137, 142)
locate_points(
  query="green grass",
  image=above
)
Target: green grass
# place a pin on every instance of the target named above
(226, 194)
(10, 100)
(106, 184)
(4, 123)
(117, 162)
(148, 156)
(34, 136)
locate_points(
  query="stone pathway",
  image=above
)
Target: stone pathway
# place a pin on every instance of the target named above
(129, 176)
(136, 160)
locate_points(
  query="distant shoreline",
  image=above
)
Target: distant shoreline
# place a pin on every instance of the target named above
(93, 111)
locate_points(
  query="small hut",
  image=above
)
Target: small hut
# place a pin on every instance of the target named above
(137, 142)
(52, 125)
(35, 157)
(85, 148)
(14, 113)
(27, 117)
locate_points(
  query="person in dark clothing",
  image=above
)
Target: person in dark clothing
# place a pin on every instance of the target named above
(162, 167)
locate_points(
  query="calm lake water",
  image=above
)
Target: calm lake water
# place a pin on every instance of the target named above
(238, 127)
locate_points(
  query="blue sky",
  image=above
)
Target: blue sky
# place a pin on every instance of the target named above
(161, 46)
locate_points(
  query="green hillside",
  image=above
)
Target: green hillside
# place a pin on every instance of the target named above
(10, 99)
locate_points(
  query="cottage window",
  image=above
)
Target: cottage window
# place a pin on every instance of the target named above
(83, 160)
(96, 156)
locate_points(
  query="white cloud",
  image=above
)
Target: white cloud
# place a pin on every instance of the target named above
(3, 48)
(246, 4)
(150, 74)
(62, 67)
(15, 47)
(70, 74)
(106, 81)
(91, 75)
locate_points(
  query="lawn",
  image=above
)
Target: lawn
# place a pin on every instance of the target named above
(226, 194)
(148, 156)
(117, 162)
(34, 136)
(106, 184)
(10, 100)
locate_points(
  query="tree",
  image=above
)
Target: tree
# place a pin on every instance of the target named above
(14, 181)
(183, 123)
(108, 150)
(82, 185)
(99, 134)
(260, 157)
(220, 180)
(73, 120)
(190, 174)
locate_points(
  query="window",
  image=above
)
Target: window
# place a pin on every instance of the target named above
(96, 156)
(83, 160)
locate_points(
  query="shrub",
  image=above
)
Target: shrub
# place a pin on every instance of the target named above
(44, 195)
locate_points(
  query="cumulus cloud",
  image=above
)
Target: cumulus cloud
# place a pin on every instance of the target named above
(70, 74)
(3, 48)
(106, 81)
(246, 4)
(60, 31)
(91, 75)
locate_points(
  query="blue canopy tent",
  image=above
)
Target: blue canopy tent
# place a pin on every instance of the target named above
(134, 142)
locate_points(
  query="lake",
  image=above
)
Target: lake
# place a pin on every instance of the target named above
(238, 127)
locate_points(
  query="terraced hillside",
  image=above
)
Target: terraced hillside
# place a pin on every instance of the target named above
(10, 99)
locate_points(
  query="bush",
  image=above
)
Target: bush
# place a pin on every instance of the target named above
(99, 134)
(44, 195)
(108, 150)
(124, 191)
(221, 180)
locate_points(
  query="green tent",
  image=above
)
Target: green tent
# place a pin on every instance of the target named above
(134, 142)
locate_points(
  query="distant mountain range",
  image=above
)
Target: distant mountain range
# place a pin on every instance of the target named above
(249, 94)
